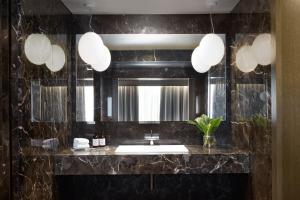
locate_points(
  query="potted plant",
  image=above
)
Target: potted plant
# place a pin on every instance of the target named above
(207, 126)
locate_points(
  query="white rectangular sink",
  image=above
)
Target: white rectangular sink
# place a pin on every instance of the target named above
(151, 149)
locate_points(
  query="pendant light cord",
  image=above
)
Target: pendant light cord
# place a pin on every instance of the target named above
(90, 24)
(212, 4)
(211, 22)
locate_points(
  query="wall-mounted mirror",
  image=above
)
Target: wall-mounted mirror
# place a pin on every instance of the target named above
(49, 101)
(150, 79)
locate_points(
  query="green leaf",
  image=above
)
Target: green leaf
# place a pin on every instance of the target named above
(260, 121)
(192, 122)
(205, 124)
(214, 124)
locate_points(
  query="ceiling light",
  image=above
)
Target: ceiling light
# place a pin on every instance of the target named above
(37, 48)
(90, 47)
(212, 49)
(197, 63)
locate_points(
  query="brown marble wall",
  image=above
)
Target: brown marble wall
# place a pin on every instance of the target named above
(4, 102)
(251, 105)
(33, 177)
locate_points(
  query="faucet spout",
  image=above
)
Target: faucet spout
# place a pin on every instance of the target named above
(151, 137)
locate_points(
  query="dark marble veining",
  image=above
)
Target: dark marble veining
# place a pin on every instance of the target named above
(251, 97)
(32, 178)
(4, 101)
(105, 161)
(33, 174)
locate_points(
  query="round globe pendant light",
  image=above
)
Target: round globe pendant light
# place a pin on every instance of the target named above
(57, 59)
(37, 48)
(245, 60)
(212, 49)
(263, 48)
(90, 47)
(197, 63)
(103, 61)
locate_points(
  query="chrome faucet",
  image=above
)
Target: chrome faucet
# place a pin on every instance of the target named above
(151, 137)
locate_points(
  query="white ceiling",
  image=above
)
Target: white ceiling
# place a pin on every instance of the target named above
(150, 6)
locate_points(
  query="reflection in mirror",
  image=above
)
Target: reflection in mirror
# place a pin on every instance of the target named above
(48, 101)
(216, 100)
(85, 100)
(253, 99)
(153, 100)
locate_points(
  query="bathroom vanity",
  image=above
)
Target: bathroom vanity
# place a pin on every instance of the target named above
(105, 161)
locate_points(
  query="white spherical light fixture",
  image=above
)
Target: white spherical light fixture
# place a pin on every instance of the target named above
(90, 47)
(197, 63)
(263, 48)
(245, 60)
(57, 59)
(212, 49)
(37, 48)
(103, 61)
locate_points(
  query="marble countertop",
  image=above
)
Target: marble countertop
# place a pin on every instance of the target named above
(104, 161)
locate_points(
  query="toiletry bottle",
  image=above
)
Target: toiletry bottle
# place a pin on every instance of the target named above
(102, 140)
(95, 141)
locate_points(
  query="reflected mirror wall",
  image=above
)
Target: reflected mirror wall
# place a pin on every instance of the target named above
(150, 79)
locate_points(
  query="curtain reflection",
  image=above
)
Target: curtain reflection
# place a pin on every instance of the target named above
(251, 100)
(80, 102)
(153, 103)
(174, 104)
(149, 103)
(53, 103)
(128, 100)
(85, 103)
(216, 100)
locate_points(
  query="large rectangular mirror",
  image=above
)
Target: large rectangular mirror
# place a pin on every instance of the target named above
(150, 79)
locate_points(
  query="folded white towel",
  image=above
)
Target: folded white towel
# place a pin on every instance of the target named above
(81, 145)
(81, 141)
(85, 146)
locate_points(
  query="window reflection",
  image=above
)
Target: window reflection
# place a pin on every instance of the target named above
(149, 103)
(153, 101)
(48, 102)
(251, 100)
(216, 95)
(85, 103)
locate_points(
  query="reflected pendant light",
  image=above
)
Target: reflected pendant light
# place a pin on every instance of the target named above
(37, 48)
(263, 48)
(245, 60)
(93, 52)
(57, 59)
